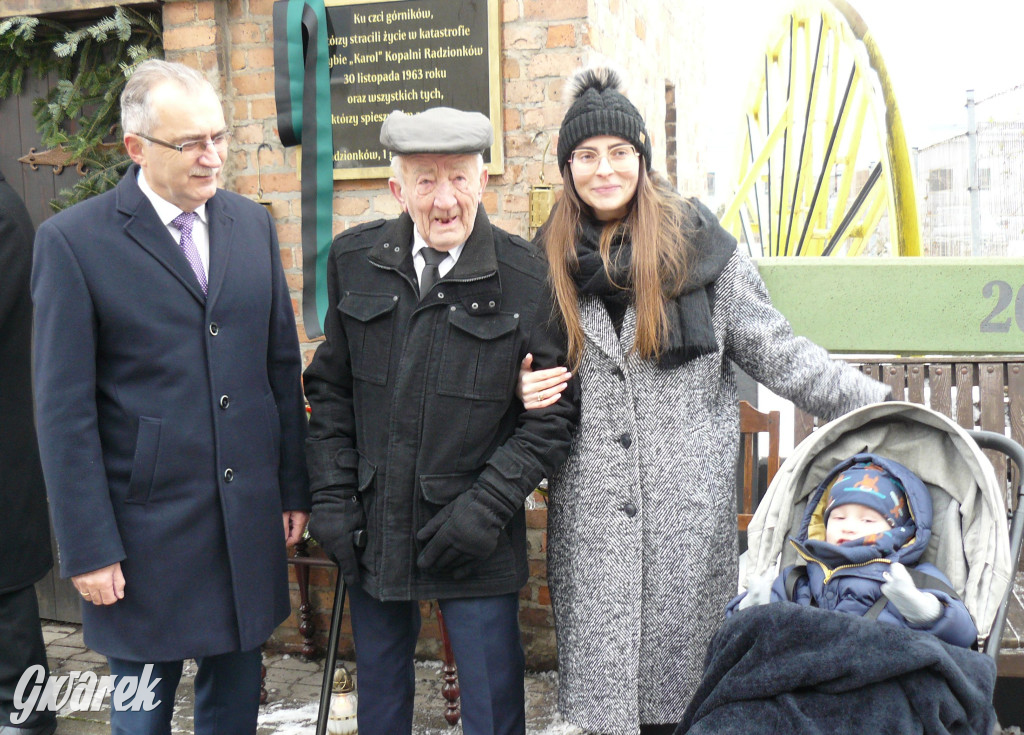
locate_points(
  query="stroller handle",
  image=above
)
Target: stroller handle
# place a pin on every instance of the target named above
(1013, 450)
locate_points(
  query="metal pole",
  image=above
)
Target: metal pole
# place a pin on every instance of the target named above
(972, 176)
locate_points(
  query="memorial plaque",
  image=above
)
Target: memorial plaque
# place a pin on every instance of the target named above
(409, 55)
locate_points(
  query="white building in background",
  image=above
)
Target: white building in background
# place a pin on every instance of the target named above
(943, 184)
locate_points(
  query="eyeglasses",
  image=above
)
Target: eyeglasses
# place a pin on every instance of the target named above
(620, 158)
(193, 147)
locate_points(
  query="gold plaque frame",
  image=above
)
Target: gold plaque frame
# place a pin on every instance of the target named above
(496, 166)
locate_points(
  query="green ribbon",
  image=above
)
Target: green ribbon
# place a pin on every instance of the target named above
(302, 88)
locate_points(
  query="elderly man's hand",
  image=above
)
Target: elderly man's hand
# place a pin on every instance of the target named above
(337, 514)
(103, 586)
(463, 533)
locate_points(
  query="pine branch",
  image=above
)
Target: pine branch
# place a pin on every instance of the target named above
(100, 178)
(92, 64)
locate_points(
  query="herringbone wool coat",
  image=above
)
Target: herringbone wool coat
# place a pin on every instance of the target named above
(642, 517)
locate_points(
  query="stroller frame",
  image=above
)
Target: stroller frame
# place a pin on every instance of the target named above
(1013, 450)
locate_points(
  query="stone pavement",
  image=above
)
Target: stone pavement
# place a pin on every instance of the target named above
(293, 689)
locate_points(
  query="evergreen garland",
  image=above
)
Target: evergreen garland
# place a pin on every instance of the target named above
(92, 64)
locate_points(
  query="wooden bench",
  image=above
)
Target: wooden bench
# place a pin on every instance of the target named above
(978, 393)
(753, 423)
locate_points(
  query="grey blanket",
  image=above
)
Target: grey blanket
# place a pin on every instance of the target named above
(787, 668)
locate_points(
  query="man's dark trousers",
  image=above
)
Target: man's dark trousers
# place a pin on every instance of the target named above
(227, 695)
(22, 641)
(484, 633)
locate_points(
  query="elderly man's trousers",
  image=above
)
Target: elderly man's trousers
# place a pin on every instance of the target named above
(484, 633)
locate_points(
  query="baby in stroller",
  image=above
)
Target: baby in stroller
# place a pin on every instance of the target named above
(864, 531)
(803, 668)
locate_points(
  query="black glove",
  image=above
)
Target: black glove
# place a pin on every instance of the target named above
(463, 533)
(336, 518)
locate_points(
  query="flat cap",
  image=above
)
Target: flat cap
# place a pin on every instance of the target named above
(437, 130)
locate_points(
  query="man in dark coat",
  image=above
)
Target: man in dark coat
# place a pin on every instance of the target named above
(24, 526)
(420, 455)
(170, 410)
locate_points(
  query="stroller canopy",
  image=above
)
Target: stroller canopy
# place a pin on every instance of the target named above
(970, 538)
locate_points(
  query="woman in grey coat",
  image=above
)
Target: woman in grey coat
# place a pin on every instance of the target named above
(659, 304)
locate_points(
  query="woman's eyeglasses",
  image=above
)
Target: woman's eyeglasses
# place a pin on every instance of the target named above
(587, 160)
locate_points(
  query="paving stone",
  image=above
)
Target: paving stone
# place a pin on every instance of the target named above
(294, 691)
(315, 678)
(58, 652)
(89, 657)
(291, 662)
(305, 692)
(74, 639)
(280, 675)
(52, 635)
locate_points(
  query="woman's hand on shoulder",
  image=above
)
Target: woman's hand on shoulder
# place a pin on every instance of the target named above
(540, 388)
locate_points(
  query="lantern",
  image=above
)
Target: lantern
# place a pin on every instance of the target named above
(342, 719)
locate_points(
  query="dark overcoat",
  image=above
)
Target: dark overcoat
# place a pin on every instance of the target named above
(170, 424)
(24, 527)
(413, 400)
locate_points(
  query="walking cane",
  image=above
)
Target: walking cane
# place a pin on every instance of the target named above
(332, 656)
(359, 540)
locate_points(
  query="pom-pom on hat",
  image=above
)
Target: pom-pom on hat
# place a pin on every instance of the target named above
(599, 108)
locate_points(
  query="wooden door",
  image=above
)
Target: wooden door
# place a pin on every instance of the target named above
(58, 599)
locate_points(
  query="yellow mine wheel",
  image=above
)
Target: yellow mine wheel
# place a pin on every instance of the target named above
(824, 166)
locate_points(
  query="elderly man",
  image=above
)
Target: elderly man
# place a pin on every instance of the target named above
(420, 455)
(170, 413)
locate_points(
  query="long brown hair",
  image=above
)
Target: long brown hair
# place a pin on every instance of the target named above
(658, 225)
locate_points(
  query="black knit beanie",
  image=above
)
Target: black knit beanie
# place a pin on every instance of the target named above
(599, 108)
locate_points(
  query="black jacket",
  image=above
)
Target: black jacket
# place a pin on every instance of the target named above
(24, 526)
(413, 401)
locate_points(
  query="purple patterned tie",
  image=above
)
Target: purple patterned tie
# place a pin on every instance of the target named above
(184, 223)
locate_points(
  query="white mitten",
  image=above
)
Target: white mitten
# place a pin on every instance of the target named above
(759, 592)
(919, 608)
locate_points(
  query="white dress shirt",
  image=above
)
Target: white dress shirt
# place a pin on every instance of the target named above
(418, 243)
(167, 212)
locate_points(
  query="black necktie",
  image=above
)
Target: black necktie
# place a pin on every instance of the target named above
(432, 258)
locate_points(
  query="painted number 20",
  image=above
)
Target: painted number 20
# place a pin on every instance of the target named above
(1003, 294)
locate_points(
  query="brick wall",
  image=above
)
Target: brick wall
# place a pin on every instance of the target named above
(658, 44)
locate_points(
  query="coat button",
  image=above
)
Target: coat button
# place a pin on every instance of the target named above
(628, 508)
(225, 401)
(625, 440)
(617, 372)
(214, 328)
(229, 475)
